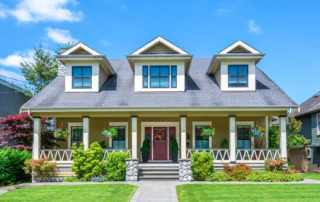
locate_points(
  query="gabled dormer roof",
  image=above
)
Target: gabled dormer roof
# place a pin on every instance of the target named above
(159, 45)
(82, 52)
(239, 50)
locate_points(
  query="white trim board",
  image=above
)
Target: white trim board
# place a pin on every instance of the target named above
(82, 46)
(199, 123)
(125, 124)
(241, 44)
(71, 124)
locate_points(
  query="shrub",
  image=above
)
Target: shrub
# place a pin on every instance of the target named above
(274, 164)
(225, 143)
(115, 166)
(202, 165)
(145, 146)
(274, 137)
(41, 167)
(218, 177)
(174, 144)
(87, 163)
(73, 179)
(11, 163)
(237, 172)
(267, 176)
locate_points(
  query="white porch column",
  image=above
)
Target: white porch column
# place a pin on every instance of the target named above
(36, 143)
(183, 137)
(86, 141)
(267, 131)
(232, 138)
(134, 136)
(283, 135)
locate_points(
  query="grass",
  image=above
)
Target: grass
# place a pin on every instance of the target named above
(313, 176)
(248, 192)
(90, 192)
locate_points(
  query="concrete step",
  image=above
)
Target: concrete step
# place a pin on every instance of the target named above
(155, 172)
(155, 177)
(159, 171)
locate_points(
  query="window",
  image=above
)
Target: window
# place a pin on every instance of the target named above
(238, 75)
(145, 76)
(243, 137)
(81, 77)
(119, 142)
(201, 141)
(76, 135)
(173, 76)
(318, 118)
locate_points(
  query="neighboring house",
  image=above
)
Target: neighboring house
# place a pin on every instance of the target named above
(162, 89)
(12, 98)
(309, 114)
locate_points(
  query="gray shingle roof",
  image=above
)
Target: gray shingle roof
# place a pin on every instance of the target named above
(201, 91)
(310, 105)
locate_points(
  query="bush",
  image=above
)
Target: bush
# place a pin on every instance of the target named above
(115, 166)
(225, 143)
(202, 165)
(73, 179)
(218, 177)
(88, 163)
(237, 172)
(267, 176)
(274, 164)
(174, 144)
(11, 163)
(41, 167)
(145, 146)
(274, 137)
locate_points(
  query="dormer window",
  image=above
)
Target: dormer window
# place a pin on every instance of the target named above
(81, 77)
(160, 76)
(238, 75)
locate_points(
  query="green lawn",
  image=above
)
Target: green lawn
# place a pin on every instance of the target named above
(248, 192)
(313, 176)
(90, 192)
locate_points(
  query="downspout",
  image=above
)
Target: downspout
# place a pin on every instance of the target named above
(29, 114)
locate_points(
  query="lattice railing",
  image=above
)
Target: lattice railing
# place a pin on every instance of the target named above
(219, 155)
(57, 155)
(255, 155)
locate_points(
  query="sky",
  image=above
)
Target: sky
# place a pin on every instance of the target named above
(288, 32)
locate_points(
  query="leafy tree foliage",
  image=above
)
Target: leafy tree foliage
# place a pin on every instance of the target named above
(294, 139)
(274, 137)
(40, 71)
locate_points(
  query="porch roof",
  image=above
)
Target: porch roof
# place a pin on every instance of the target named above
(202, 90)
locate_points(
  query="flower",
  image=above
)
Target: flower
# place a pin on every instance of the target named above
(62, 127)
(210, 126)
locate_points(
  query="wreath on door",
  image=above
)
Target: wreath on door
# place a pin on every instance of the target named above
(160, 135)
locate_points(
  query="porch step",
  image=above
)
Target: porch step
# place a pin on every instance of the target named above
(152, 171)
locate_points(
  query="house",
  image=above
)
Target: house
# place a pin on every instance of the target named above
(161, 89)
(12, 98)
(309, 114)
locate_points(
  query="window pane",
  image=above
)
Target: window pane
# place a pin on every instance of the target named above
(243, 79)
(86, 82)
(173, 82)
(164, 71)
(173, 70)
(201, 140)
(154, 82)
(242, 69)
(119, 142)
(76, 135)
(145, 70)
(232, 70)
(154, 71)
(76, 71)
(77, 82)
(164, 82)
(86, 71)
(145, 82)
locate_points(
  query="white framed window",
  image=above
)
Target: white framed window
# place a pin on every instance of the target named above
(76, 133)
(120, 141)
(159, 76)
(198, 140)
(244, 138)
(318, 123)
(309, 152)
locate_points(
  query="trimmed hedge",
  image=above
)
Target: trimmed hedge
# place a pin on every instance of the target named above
(115, 166)
(267, 176)
(218, 177)
(202, 165)
(11, 163)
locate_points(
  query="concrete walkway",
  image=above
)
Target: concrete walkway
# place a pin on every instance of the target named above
(150, 190)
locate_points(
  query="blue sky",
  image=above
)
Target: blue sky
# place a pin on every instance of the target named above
(287, 31)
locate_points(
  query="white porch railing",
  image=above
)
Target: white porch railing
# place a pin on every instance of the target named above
(107, 151)
(256, 155)
(57, 155)
(219, 155)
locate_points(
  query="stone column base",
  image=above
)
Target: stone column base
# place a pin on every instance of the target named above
(132, 169)
(185, 171)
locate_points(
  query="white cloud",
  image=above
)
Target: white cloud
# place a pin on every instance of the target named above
(2, 11)
(15, 59)
(60, 35)
(44, 10)
(224, 11)
(253, 27)
(105, 42)
(9, 74)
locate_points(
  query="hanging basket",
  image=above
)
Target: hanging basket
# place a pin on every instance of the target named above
(110, 132)
(60, 133)
(208, 131)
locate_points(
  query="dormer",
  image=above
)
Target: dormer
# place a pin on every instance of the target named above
(234, 67)
(159, 66)
(85, 69)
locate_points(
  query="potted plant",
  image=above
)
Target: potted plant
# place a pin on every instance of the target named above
(145, 150)
(174, 148)
(110, 132)
(60, 133)
(257, 132)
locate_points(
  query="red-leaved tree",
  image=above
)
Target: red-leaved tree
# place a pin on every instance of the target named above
(17, 131)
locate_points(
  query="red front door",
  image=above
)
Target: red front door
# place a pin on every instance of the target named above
(160, 143)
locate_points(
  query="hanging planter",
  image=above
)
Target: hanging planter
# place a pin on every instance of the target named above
(60, 133)
(110, 132)
(257, 132)
(208, 131)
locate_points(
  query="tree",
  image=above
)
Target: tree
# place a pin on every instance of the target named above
(40, 71)
(65, 47)
(295, 140)
(18, 129)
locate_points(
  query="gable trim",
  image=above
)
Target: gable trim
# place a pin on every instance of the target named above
(78, 46)
(237, 44)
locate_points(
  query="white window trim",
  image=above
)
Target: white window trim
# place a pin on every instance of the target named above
(160, 124)
(149, 77)
(200, 123)
(125, 124)
(70, 125)
(244, 123)
(318, 126)
(309, 153)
